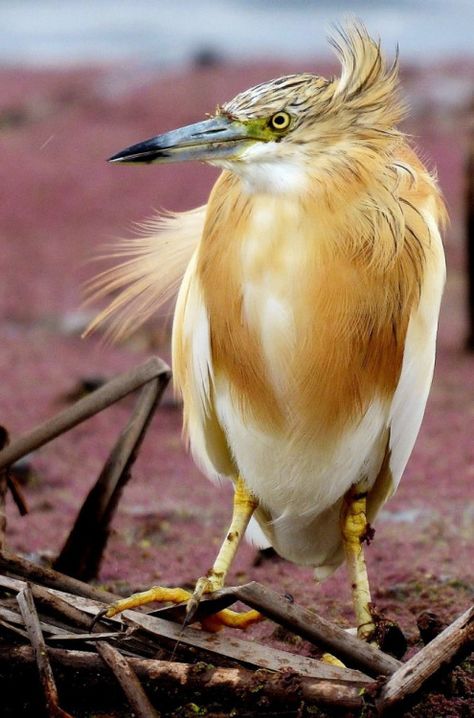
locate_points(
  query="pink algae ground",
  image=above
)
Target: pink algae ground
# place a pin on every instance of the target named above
(60, 202)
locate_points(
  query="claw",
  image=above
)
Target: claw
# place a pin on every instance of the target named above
(98, 616)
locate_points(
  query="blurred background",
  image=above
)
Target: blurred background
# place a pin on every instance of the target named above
(80, 80)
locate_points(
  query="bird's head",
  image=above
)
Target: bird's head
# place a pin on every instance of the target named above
(278, 133)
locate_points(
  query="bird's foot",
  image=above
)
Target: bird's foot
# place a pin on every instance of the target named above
(160, 594)
(155, 594)
(232, 619)
(332, 660)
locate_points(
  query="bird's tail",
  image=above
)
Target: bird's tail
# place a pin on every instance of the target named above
(149, 274)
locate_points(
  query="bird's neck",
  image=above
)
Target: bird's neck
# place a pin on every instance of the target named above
(314, 221)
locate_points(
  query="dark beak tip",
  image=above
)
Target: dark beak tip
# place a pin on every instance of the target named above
(116, 158)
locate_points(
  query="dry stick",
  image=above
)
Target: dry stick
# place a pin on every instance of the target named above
(440, 652)
(469, 204)
(108, 394)
(32, 625)
(17, 495)
(327, 682)
(317, 630)
(16, 619)
(11, 564)
(250, 653)
(228, 684)
(3, 513)
(68, 613)
(82, 553)
(3, 489)
(12, 628)
(52, 602)
(166, 633)
(81, 637)
(128, 680)
(246, 652)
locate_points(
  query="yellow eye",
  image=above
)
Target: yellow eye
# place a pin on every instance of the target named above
(280, 120)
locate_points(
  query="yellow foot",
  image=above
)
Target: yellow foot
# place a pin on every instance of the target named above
(332, 660)
(159, 594)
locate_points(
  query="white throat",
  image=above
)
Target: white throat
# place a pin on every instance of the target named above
(262, 171)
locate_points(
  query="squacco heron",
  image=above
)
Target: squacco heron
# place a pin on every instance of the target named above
(305, 324)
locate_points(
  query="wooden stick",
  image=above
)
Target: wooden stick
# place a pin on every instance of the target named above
(13, 628)
(83, 550)
(469, 219)
(248, 653)
(63, 607)
(81, 637)
(54, 603)
(114, 390)
(3, 489)
(297, 619)
(440, 652)
(305, 623)
(318, 630)
(17, 494)
(9, 563)
(128, 680)
(31, 620)
(228, 685)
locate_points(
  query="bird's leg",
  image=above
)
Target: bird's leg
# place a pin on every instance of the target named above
(356, 530)
(244, 506)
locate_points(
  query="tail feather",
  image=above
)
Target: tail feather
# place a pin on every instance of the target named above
(150, 273)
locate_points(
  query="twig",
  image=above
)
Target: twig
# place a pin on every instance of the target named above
(54, 603)
(317, 630)
(440, 652)
(246, 652)
(63, 607)
(3, 489)
(81, 637)
(12, 628)
(469, 220)
(83, 409)
(31, 620)
(84, 547)
(227, 685)
(17, 495)
(15, 618)
(11, 564)
(128, 680)
(304, 623)
(252, 654)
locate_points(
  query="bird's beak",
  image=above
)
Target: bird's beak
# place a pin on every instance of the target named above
(218, 138)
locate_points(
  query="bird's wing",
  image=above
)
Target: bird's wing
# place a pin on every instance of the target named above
(424, 214)
(193, 379)
(150, 272)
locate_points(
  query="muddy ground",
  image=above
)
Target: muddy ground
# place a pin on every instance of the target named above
(60, 203)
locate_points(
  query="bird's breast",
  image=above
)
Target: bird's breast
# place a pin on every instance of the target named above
(305, 334)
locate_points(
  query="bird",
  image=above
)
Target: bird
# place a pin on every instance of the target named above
(308, 296)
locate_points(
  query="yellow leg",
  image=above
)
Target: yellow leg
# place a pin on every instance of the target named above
(244, 506)
(354, 532)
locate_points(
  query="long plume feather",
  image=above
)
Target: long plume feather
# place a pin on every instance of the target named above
(150, 273)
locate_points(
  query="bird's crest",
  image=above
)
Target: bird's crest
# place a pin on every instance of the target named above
(367, 85)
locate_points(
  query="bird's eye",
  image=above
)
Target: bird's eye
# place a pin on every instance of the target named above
(280, 120)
